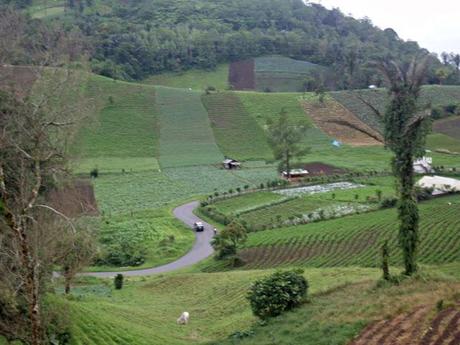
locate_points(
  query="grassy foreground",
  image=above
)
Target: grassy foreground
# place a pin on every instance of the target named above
(145, 311)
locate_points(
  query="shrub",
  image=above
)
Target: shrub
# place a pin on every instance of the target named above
(388, 202)
(423, 193)
(277, 293)
(118, 281)
(94, 173)
(123, 254)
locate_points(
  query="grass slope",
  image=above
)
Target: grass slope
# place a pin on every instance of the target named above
(186, 137)
(145, 312)
(355, 240)
(125, 126)
(440, 141)
(237, 133)
(194, 79)
(337, 317)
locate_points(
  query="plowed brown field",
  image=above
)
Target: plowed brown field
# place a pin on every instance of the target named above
(419, 327)
(341, 124)
(450, 127)
(75, 199)
(241, 75)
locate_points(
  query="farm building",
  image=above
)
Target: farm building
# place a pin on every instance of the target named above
(423, 165)
(231, 164)
(439, 184)
(296, 173)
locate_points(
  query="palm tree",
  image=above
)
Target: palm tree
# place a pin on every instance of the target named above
(405, 130)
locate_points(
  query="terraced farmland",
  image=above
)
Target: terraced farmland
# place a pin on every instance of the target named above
(339, 123)
(267, 106)
(356, 240)
(353, 100)
(247, 202)
(125, 126)
(186, 137)
(282, 74)
(195, 79)
(236, 131)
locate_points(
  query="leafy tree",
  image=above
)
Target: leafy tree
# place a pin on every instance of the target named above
(118, 281)
(227, 241)
(442, 74)
(277, 293)
(406, 127)
(285, 138)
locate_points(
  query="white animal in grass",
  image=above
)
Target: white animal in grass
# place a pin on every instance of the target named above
(183, 319)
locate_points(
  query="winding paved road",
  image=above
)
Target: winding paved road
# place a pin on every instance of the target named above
(201, 249)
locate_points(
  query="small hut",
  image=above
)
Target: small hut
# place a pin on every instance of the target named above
(230, 164)
(296, 173)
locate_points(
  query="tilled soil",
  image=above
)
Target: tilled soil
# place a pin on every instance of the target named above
(450, 127)
(241, 75)
(423, 326)
(75, 199)
(341, 124)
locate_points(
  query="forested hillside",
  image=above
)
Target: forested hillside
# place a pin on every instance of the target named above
(134, 39)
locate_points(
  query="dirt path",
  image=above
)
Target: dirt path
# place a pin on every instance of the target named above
(201, 249)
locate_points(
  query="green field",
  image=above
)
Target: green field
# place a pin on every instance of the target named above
(126, 123)
(237, 133)
(186, 137)
(282, 74)
(356, 240)
(438, 141)
(262, 210)
(162, 237)
(194, 79)
(266, 107)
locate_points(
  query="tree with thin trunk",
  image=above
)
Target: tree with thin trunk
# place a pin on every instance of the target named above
(285, 138)
(34, 137)
(35, 133)
(405, 130)
(77, 250)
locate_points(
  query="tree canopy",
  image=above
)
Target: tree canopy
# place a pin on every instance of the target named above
(133, 39)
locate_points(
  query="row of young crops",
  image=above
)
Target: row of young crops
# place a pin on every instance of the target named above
(237, 133)
(356, 240)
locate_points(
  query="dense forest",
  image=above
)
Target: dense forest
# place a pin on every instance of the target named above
(132, 39)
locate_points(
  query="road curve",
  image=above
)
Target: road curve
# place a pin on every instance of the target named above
(201, 249)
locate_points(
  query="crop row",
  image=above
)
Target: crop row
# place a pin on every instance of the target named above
(356, 240)
(186, 137)
(237, 132)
